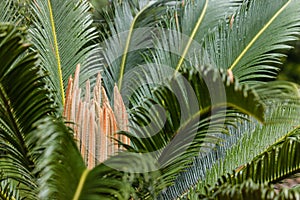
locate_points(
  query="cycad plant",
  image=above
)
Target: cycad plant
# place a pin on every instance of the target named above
(174, 99)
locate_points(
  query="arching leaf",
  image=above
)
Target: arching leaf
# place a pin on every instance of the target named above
(63, 35)
(9, 12)
(253, 42)
(194, 120)
(248, 190)
(24, 99)
(130, 35)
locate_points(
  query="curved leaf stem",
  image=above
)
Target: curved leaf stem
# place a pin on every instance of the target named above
(258, 35)
(124, 57)
(57, 52)
(80, 184)
(191, 38)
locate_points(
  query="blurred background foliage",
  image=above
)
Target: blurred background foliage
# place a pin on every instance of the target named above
(291, 69)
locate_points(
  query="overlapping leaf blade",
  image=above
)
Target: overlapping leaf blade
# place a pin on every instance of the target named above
(65, 176)
(24, 99)
(194, 120)
(9, 11)
(63, 35)
(253, 40)
(280, 122)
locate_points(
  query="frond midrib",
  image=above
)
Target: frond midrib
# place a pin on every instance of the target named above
(127, 45)
(255, 38)
(191, 37)
(81, 184)
(57, 54)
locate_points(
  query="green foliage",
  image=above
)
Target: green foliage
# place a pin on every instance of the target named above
(205, 122)
(61, 32)
(251, 43)
(248, 190)
(24, 98)
(63, 174)
(8, 192)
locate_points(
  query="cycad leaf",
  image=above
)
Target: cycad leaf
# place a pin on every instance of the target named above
(204, 166)
(178, 40)
(281, 121)
(24, 99)
(247, 190)
(193, 119)
(186, 27)
(8, 11)
(202, 163)
(272, 166)
(130, 36)
(58, 162)
(252, 46)
(198, 17)
(63, 35)
(8, 191)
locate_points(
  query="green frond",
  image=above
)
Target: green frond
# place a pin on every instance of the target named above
(24, 99)
(197, 18)
(130, 35)
(9, 12)
(8, 191)
(277, 91)
(63, 36)
(269, 167)
(189, 178)
(204, 166)
(182, 32)
(195, 118)
(252, 47)
(281, 121)
(134, 31)
(58, 162)
(247, 190)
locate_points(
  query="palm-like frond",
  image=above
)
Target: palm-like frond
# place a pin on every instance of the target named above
(196, 19)
(8, 191)
(176, 42)
(250, 46)
(178, 139)
(204, 167)
(203, 163)
(63, 35)
(57, 156)
(186, 27)
(271, 166)
(130, 36)
(279, 123)
(247, 190)
(24, 99)
(9, 11)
